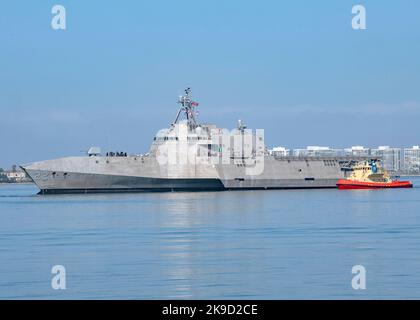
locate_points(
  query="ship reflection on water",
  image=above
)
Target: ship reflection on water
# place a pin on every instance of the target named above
(184, 225)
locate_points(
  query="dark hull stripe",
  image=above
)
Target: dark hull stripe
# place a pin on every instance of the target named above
(176, 189)
(128, 190)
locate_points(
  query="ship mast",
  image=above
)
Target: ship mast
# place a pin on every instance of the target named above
(188, 107)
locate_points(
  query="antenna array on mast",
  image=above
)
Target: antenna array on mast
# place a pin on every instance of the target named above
(188, 107)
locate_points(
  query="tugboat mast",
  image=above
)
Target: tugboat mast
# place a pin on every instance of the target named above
(187, 106)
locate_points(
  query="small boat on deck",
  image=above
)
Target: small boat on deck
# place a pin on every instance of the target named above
(371, 175)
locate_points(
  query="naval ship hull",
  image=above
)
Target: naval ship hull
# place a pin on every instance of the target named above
(74, 183)
(133, 174)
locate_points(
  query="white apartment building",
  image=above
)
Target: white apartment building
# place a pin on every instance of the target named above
(318, 151)
(17, 176)
(279, 152)
(412, 159)
(357, 151)
(391, 157)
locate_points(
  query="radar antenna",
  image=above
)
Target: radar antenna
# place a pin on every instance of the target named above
(188, 107)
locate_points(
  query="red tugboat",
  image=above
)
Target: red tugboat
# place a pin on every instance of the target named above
(370, 175)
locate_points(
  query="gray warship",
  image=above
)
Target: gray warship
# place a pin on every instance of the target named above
(189, 156)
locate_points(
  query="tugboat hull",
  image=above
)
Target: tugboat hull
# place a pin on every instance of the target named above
(351, 184)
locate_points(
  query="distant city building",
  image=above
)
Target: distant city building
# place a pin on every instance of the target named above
(412, 159)
(391, 157)
(396, 160)
(318, 151)
(357, 151)
(279, 152)
(16, 176)
(3, 177)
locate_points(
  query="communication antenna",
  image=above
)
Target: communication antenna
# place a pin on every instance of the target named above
(188, 107)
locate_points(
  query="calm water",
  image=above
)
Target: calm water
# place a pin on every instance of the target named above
(227, 245)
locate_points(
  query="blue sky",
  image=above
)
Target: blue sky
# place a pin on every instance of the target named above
(295, 68)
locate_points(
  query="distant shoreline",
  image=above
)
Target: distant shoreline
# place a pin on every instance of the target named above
(13, 182)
